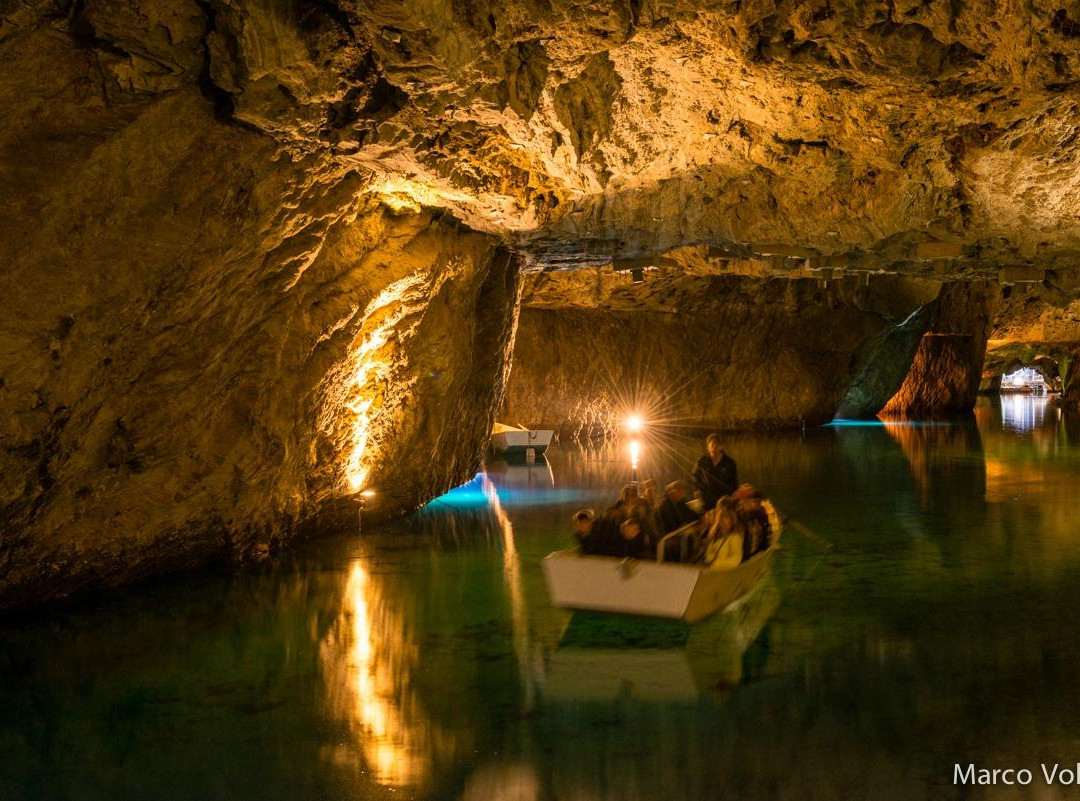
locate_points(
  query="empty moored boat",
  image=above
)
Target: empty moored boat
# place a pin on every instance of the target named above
(512, 441)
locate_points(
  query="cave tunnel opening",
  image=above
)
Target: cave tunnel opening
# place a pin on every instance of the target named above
(1024, 380)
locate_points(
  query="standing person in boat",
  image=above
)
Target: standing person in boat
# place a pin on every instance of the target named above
(715, 474)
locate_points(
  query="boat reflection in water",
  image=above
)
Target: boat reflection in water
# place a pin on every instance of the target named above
(606, 657)
(520, 475)
(392, 654)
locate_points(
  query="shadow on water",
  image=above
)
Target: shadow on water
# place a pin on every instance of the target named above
(424, 660)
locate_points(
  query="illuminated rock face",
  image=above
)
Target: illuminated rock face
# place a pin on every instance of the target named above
(184, 310)
(259, 256)
(718, 351)
(945, 374)
(882, 133)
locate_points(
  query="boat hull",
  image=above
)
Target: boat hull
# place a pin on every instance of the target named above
(720, 589)
(637, 587)
(519, 442)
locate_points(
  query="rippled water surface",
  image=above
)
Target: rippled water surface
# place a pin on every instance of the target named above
(423, 659)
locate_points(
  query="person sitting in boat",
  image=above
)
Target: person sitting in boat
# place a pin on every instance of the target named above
(674, 511)
(715, 474)
(646, 514)
(726, 537)
(635, 542)
(650, 492)
(611, 534)
(754, 519)
(582, 521)
(628, 496)
(631, 503)
(595, 535)
(675, 514)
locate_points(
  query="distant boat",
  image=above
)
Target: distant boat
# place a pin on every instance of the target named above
(512, 441)
(690, 592)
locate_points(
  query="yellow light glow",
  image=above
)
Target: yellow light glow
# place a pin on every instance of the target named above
(404, 195)
(370, 365)
(635, 454)
(634, 424)
(395, 751)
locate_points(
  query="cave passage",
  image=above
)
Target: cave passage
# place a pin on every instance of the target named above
(272, 274)
(1026, 379)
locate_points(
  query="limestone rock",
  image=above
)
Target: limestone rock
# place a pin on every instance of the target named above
(716, 351)
(883, 372)
(251, 250)
(940, 381)
(945, 375)
(182, 345)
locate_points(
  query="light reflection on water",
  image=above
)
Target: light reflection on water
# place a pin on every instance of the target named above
(371, 643)
(424, 660)
(1022, 412)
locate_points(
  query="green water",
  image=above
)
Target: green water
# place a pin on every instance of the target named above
(423, 660)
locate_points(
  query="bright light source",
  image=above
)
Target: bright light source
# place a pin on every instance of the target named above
(371, 361)
(634, 423)
(368, 493)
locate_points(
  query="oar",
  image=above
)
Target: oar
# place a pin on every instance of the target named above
(806, 532)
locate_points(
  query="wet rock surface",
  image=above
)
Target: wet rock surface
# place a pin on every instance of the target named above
(1038, 326)
(186, 306)
(716, 351)
(945, 374)
(256, 257)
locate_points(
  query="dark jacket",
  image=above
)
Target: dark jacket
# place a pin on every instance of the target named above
(603, 538)
(675, 514)
(638, 548)
(715, 480)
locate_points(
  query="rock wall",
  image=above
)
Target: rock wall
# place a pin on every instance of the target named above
(1038, 325)
(947, 368)
(250, 263)
(886, 366)
(204, 337)
(729, 352)
(885, 135)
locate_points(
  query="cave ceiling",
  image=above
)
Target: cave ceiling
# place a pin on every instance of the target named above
(931, 138)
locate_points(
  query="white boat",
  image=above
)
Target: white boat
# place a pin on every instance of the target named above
(691, 592)
(512, 441)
